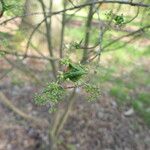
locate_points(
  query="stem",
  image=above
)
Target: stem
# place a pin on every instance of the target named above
(87, 34)
(25, 116)
(66, 113)
(62, 32)
(49, 34)
(59, 121)
(24, 69)
(52, 129)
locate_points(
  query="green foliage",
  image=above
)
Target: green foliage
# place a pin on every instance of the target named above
(2, 54)
(147, 51)
(144, 98)
(142, 111)
(118, 19)
(52, 93)
(92, 91)
(12, 7)
(66, 61)
(4, 42)
(76, 45)
(73, 71)
(55, 91)
(121, 74)
(121, 94)
(7, 7)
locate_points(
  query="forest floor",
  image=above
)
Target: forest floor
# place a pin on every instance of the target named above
(100, 125)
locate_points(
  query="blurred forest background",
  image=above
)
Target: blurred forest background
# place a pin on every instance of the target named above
(74, 74)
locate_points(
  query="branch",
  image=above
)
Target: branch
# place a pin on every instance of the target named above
(9, 104)
(101, 1)
(124, 44)
(20, 16)
(130, 34)
(18, 64)
(48, 25)
(63, 22)
(87, 32)
(116, 40)
(27, 56)
(66, 113)
(31, 35)
(81, 6)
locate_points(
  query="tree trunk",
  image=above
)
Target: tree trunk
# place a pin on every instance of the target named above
(29, 22)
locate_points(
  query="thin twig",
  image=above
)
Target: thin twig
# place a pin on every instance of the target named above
(134, 4)
(130, 34)
(27, 56)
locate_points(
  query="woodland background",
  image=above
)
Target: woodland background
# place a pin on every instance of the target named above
(111, 39)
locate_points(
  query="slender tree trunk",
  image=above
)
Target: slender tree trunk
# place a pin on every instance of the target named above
(87, 34)
(59, 121)
(48, 26)
(62, 31)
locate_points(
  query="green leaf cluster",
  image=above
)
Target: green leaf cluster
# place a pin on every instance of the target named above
(52, 93)
(117, 19)
(2, 54)
(92, 91)
(73, 71)
(55, 91)
(76, 45)
(12, 7)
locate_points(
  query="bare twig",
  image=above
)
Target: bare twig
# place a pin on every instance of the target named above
(28, 56)
(101, 1)
(23, 68)
(136, 15)
(48, 25)
(31, 35)
(134, 4)
(130, 34)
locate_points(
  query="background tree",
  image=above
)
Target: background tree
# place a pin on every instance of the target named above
(71, 64)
